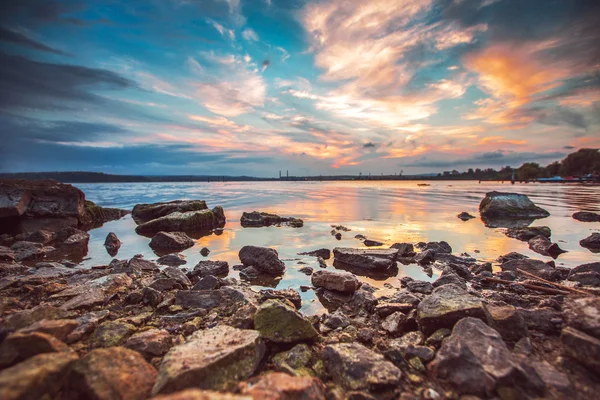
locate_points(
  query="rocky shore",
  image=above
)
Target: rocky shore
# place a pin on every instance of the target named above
(139, 328)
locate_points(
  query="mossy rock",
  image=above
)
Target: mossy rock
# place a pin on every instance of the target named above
(111, 333)
(281, 323)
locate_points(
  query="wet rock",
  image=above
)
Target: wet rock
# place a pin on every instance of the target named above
(165, 285)
(150, 343)
(171, 241)
(262, 258)
(584, 216)
(344, 282)
(173, 260)
(208, 282)
(18, 347)
(535, 267)
(404, 249)
(258, 219)
(112, 244)
(336, 320)
(206, 268)
(290, 295)
(111, 333)
(369, 259)
(582, 347)
(279, 386)
(60, 328)
(584, 314)
(474, 359)
(508, 321)
(355, 367)
(190, 221)
(540, 244)
(543, 319)
(138, 263)
(394, 323)
(437, 247)
(321, 262)
(78, 239)
(509, 206)
(39, 376)
(306, 270)
(372, 243)
(449, 277)
(591, 242)
(30, 250)
(110, 373)
(208, 299)
(145, 212)
(152, 297)
(323, 253)
(178, 275)
(425, 257)
(586, 278)
(210, 359)
(419, 287)
(204, 252)
(465, 216)
(447, 305)
(281, 323)
(338, 236)
(529, 232)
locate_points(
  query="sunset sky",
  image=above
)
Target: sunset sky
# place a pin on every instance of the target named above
(251, 87)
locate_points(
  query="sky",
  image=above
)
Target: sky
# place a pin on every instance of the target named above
(252, 87)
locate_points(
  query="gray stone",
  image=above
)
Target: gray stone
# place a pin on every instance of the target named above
(591, 242)
(262, 258)
(368, 259)
(206, 268)
(280, 323)
(171, 241)
(336, 280)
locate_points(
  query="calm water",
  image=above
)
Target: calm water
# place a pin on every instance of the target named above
(386, 211)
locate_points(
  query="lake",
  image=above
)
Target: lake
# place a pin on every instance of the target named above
(390, 212)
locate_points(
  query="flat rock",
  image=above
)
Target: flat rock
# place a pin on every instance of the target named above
(446, 306)
(178, 275)
(39, 376)
(139, 263)
(150, 343)
(344, 282)
(146, 212)
(264, 259)
(370, 259)
(210, 359)
(323, 253)
(355, 367)
(281, 323)
(280, 386)
(584, 216)
(535, 267)
(474, 359)
(171, 241)
(540, 244)
(113, 373)
(591, 242)
(190, 221)
(529, 232)
(257, 219)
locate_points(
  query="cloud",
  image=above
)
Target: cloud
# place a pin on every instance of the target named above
(250, 35)
(494, 159)
(368, 145)
(8, 35)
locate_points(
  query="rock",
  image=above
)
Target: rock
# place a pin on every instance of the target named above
(138, 263)
(419, 287)
(465, 216)
(394, 323)
(177, 275)
(540, 244)
(474, 359)
(150, 343)
(280, 323)
(206, 268)
(25, 318)
(321, 262)
(553, 380)
(208, 282)
(306, 270)
(509, 206)
(95, 216)
(165, 285)
(449, 277)
(355, 367)
(333, 280)
(404, 249)
(279, 386)
(87, 323)
(527, 233)
(582, 347)
(210, 359)
(436, 338)
(13, 200)
(542, 319)
(438, 247)
(258, 219)
(171, 241)
(425, 257)
(323, 253)
(336, 320)
(290, 295)
(115, 372)
(508, 321)
(591, 242)
(535, 267)
(262, 258)
(18, 347)
(295, 361)
(586, 278)
(92, 297)
(190, 221)
(446, 306)
(78, 239)
(372, 243)
(584, 216)
(196, 394)
(145, 212)
(111, 333)
(591, 267)
(584, 314)
(369, 259)
(204, 252)
(338, 236)
(28, 250)
(60, 328)
(172, 260)
(36, 378)
(6, 254)
(208, 299)
(112, 244)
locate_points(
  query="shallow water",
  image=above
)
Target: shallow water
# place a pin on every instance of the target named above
(386, 211)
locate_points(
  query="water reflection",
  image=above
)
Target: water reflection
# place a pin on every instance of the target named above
(389, 212)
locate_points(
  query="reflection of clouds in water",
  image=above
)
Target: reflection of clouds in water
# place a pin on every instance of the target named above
(386, 211)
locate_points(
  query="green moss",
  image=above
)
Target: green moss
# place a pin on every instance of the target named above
(111, 333)
(281, 323)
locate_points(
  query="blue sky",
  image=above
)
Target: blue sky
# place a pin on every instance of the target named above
(241, 87)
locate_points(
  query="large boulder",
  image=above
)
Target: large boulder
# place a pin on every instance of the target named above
(146, 212)
(369, 259)
(210, 359)
(281, 323)
(112, 373)
(262, 258)
(591, 242)
(500, 209)
(355, 367)
(474, 359)
(189, 221)
(335, 280)
(256, 219)
(39, 377)
(446, 306)
(171, 241)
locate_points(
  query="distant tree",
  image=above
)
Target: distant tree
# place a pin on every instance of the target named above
(529, 171)
(553, 169)
(582, 162)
